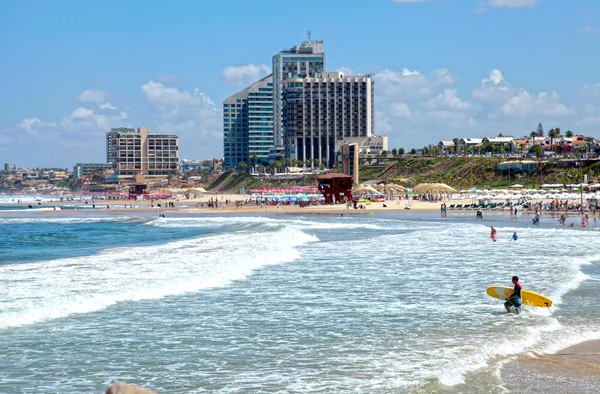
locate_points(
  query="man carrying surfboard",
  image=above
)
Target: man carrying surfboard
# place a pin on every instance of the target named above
(515, 298)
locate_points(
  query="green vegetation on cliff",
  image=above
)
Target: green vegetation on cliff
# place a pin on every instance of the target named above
(458, 172)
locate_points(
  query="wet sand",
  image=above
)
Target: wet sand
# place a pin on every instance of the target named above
(573, 370)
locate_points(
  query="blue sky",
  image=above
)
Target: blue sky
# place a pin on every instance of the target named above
(70, 70)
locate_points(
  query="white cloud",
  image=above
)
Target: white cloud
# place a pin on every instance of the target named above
(86, 120)
(158, 94)
(34, 125)
(402, 84)
(447, 100)
(510, 4)
(108, 105)
(241, 75)
(494, 88)
(191, 115)
(93, 96)
(591, 120)
(525, 103)
(415, 109)
(443, 77)
(399, 109)
(590, 90)
(346, 70)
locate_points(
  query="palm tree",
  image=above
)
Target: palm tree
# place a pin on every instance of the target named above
(552, 134)
(569, 134)
(242, 166)
(455, 141)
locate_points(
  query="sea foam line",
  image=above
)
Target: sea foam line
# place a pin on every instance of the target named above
(38, 292)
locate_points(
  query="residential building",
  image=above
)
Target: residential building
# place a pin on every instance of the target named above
(248, 124)
(85, 169)
(367, 146)
(307, 59)
(465, 143)
(321, 110)
(446, 147)
(138, 155)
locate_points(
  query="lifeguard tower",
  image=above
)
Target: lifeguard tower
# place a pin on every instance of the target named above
(335, 187)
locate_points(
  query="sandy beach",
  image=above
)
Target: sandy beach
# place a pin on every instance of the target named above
(199, 205)
(573, 370)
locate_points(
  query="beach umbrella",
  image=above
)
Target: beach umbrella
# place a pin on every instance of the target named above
(196, 190)
(393, 186)
(365, 188)
(432, 188)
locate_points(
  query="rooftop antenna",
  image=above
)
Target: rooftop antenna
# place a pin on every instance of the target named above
(309, 35)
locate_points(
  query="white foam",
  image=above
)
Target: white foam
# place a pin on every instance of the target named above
(49, 290)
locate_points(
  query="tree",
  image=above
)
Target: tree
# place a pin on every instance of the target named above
(455, 141)
(413, 151)
(401, 151)
(569, 134)
(500, 135)
(394, 151)
(540, 130)
(557, 129)
(533, 134)
(552, 134)
(537, 149)
(242, 166)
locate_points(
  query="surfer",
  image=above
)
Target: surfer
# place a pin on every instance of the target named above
(493, 234)
(515, 298)
(514, 236)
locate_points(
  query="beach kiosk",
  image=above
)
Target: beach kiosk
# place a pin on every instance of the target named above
(335, 187)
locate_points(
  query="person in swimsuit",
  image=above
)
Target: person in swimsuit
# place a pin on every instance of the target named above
(514, 237)
(515, 298)
(493, 234)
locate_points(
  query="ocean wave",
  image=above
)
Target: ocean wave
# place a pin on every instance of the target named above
(50, 290)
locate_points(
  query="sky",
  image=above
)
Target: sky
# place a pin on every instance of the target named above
(70, 69)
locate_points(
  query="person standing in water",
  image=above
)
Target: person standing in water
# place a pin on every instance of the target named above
(515, 298)
(514, 236)
(493, 234)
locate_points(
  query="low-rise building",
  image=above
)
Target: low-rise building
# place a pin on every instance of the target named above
(446, 147)
(85, 169)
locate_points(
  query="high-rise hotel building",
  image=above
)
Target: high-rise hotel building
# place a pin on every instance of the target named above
(321, 113)
(248, 124)
(306, 59)
(138, 155)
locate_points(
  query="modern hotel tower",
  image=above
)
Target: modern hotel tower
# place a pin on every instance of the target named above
(299, 112)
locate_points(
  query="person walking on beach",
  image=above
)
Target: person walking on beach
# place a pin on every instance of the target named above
(493, 234)
(515, 298)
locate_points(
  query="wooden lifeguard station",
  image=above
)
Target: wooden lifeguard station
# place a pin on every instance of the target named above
(335, 187)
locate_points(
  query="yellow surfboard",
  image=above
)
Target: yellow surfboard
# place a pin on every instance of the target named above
(528, 297)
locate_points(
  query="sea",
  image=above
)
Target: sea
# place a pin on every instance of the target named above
(284, 302)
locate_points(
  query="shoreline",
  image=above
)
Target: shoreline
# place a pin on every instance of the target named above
(575, 368)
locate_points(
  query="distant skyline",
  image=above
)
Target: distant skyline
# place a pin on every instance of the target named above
(71, 70)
